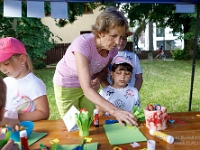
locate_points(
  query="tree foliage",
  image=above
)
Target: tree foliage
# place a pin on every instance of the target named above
(164, 15)
(30, 31)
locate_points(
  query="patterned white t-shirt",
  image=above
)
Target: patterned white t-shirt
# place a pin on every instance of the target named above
(124, 98)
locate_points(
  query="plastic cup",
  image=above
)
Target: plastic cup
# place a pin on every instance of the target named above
(151, 145)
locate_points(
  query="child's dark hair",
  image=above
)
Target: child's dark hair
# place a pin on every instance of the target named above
(122, 66)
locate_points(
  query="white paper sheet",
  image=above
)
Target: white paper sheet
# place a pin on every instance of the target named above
(69, 119)
(12, 8)
(59, 10)
(35, 9)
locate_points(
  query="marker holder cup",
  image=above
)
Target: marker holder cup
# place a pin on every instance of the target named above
(156, 119)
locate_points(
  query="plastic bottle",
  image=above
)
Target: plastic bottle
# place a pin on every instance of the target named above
(161, 135)
(96, 118)
(24, 140)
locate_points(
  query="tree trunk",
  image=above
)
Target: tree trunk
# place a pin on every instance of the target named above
(188, 43)
(151, 36)
(189, 46)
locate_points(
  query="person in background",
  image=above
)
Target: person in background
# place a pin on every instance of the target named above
(160, 51)
(137, 78)
(120, 93)
(6, 121)
(81, 70)
(26, 94)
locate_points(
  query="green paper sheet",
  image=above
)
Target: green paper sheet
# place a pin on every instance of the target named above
(88, 146)
(118, 134)
(34, 137)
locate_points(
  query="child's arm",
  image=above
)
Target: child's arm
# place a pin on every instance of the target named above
(41, 112)
(138, 81)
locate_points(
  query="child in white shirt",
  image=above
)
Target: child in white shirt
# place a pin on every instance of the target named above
(120, 93)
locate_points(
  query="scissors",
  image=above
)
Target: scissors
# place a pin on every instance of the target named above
(110, 121)
(80, 147)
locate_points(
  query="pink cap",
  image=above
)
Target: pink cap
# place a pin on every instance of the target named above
(10, 46)
(121, 59)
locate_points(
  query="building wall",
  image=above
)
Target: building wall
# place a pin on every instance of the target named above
(71, 31)
(169, 41)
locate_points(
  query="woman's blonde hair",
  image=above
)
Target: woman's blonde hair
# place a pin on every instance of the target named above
(109, 19)
(2, 93)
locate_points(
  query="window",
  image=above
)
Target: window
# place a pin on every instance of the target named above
(158, 43)
(160, 32)
(176, 34)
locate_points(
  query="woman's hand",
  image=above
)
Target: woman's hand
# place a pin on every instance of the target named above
(124, 116)
(95, 84)
(10, 145)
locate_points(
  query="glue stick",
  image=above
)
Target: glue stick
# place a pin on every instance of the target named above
(96, 118)
(24, 140)
(161, 135)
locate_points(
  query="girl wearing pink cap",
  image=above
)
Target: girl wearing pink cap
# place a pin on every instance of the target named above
(26, 94)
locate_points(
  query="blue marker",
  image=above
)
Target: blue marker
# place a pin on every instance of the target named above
(157, 107)
(110, 121)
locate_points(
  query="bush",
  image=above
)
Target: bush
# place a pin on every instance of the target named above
(38, 64)
(179, 54)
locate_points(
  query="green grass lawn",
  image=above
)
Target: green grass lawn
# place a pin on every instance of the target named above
(168, 83)
(165, 82)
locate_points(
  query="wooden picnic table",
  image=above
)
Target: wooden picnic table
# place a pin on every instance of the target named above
(186, 133)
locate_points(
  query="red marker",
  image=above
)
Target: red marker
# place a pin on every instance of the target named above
(150, 107)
